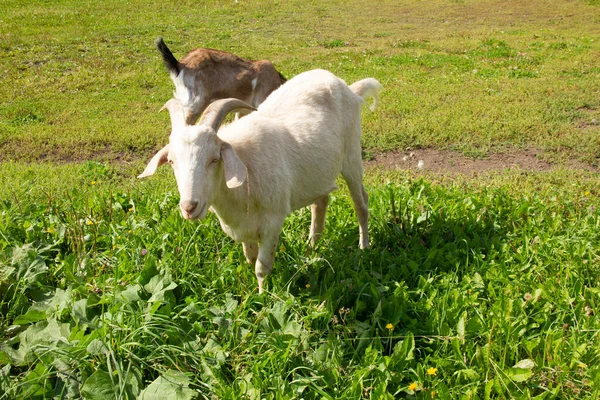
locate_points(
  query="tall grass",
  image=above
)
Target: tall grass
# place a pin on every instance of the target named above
(485, 289)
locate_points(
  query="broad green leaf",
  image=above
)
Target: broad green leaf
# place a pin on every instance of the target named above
(130, 294)
(158, 285)
(30, 272)
(525, 364)
(36, 383)
(43, 334)
(172, 385)
(99, 386)
(230, 303)
(403, 350)
(518, 374)
(80, 310)
(32, 315)
(96, 347)
(292, 328)
(467, 374)
(59, 302)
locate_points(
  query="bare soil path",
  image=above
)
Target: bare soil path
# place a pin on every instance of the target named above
(447, 162)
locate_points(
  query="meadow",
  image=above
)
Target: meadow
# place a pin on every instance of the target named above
(483, 286)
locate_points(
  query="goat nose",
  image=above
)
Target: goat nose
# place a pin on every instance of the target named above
(188, 205)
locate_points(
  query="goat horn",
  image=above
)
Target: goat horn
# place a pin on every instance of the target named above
(216, 112)
(176, 112)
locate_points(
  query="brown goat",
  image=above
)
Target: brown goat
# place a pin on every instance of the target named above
(205, 75)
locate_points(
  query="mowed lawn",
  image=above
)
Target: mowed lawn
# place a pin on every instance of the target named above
(474, 287)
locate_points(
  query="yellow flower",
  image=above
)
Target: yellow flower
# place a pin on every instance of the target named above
(389, 327)
(89, 222)
(308, 285)
(93, 182)
(432, 371)
(413, 386)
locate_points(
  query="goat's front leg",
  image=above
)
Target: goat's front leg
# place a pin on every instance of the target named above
(266, 258)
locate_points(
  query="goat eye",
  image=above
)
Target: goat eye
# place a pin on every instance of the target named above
(170, 162)
(215, 160)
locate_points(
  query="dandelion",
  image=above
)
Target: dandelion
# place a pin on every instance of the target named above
(89, 222)
(413, 386)
(432, 371)
(307, 285)
(389, 326)
(93, 182)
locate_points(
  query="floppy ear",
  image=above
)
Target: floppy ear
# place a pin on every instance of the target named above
(159, 159)
(235, 170)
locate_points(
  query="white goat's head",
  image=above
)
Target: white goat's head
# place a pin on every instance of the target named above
(200, 159)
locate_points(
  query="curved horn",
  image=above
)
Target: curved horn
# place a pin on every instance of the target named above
(216, 112)
(176, 112)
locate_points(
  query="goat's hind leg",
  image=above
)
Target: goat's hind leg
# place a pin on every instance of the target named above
(360, 198)
(250, 251)
(318, 210)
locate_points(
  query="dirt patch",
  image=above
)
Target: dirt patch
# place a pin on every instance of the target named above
(448, 162)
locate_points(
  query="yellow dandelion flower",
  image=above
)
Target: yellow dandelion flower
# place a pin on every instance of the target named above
(389, 327)
(89, 222)
(413, 386)
(93, 182)
(308, 285)
(587, 193)
(432, 371)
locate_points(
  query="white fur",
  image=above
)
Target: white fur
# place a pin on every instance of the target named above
(284, 156)
(190, 96)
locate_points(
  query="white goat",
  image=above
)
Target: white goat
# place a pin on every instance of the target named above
(205, 75)
(282, 157)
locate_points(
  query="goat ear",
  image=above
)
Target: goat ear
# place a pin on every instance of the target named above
(176, 112)
(235, 170)
(159, 159)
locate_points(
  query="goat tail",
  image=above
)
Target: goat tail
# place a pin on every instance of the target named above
(168, 58)
(368, 87)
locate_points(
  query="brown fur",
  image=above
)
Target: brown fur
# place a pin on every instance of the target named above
(225, 75)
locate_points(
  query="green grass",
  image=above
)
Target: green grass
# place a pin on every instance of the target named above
(106, 289)
(473, 288)
(85, 80)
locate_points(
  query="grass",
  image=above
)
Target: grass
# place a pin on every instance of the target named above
(476, 289)
(471, 76)
(473, 288)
